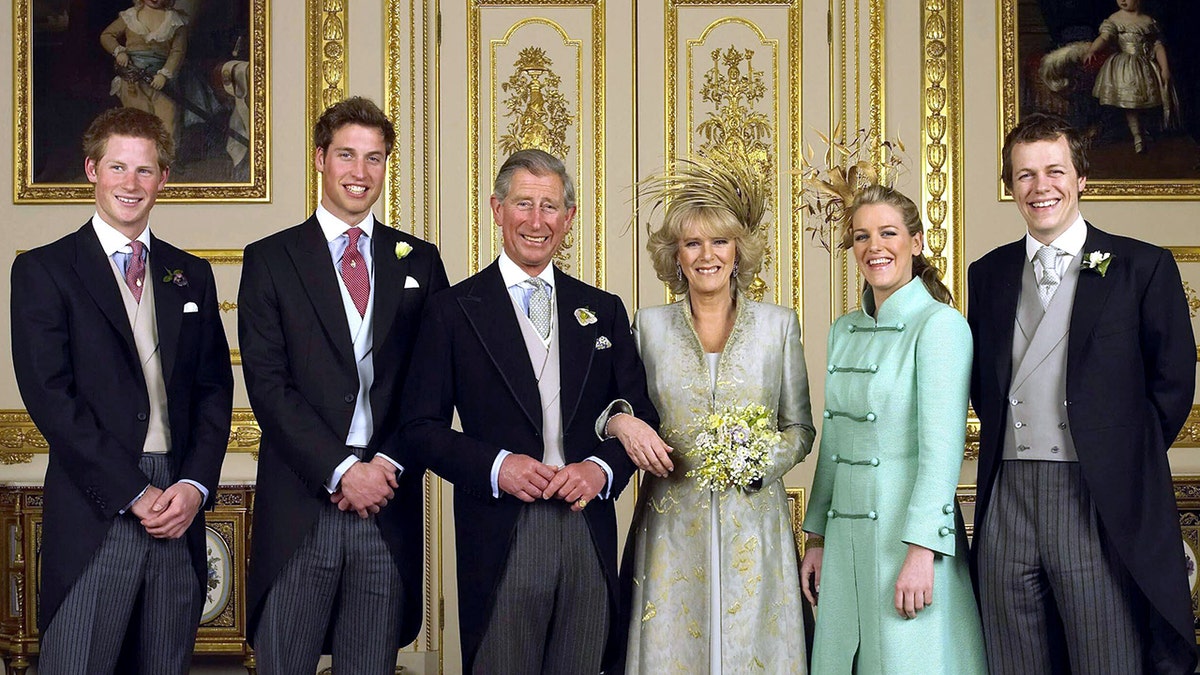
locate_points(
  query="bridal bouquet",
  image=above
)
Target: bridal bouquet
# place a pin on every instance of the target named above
(732, 444)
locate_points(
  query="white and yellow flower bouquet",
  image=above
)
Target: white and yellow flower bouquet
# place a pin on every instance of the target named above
(732, 446)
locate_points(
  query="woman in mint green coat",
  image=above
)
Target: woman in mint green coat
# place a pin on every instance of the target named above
(891, 584)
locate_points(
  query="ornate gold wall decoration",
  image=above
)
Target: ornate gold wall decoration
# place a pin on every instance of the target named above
(735, 128)
(589, 182)
(746, 115)
(941, 138)
(540, 116)
(327, 71)
(18, 433)
(408, 80)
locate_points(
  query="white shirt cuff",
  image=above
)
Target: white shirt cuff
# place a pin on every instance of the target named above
(340, 471)
(134, 500)
(496, 472)
(399, 467)
(607, 472)
(201, 488)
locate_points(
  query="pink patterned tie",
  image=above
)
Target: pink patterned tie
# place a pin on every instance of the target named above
(135, 270)
(354, 272)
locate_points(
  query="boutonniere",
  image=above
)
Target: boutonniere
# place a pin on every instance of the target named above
(402, 250)
(1097, 261)
(585, 316)
(176, 277)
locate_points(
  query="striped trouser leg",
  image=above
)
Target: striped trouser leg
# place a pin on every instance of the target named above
(1094, 592)
(1021, 627)
(550, 612)
(341, 571)
(130, 569)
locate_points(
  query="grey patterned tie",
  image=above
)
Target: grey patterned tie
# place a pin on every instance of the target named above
(539, 306)
(1048, 283)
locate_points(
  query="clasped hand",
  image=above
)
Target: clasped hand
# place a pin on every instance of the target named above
(528, 479)
(167, 514)
(366, 487)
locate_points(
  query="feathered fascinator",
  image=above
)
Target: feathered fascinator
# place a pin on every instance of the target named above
(729, 183)
(851, 165)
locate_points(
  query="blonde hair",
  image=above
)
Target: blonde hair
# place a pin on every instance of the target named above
(911, 216)
(711, 222)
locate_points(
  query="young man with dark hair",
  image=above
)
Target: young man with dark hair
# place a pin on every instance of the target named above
(328, 312)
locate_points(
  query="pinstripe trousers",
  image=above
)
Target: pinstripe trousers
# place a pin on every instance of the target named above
(1054, 596)
(342, 573)
(137, 601)
(550, 614)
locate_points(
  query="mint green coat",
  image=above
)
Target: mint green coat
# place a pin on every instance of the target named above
(890, 453)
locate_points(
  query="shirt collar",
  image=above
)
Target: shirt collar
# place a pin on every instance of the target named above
(333, 227)
(514, 275)
(113, 241)
(1071, 241)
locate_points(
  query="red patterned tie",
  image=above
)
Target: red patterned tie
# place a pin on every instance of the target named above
(354, 272)
(135, 270)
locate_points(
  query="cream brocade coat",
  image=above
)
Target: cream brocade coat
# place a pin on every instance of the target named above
(761, 627)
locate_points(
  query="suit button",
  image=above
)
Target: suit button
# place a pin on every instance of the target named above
(870, 417)
(834, 458)
(874, 367)
(826, 414)
(1062, 425)
(1022, 448)
(872, 515)
(948, 509)
(874, 461)
(1019, 425)
(348, 398)
(142, 417)
(1054, 449)
(831, 513)
(943, 531)
(1014, 401)
(831, 368)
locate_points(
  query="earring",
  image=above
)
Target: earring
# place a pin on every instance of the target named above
(735, 268)
(678, 272)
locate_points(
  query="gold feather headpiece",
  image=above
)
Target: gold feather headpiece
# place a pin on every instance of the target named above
(730, 183)
(851, 165)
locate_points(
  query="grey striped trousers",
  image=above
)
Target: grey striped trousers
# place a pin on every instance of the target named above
(550, 614)
(131, 570)
(342, 580)
(1054, 596)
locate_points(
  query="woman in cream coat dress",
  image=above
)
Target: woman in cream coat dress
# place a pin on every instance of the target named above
(894, 586)
(712, 576)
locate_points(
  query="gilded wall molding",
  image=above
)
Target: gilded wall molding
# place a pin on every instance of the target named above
(941, 138)
(327, 70)
(475, 67)
(18, 434)
(412, 169)
(785, 215)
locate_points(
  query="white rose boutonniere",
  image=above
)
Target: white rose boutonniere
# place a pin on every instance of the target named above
(1097, 261)
(585, 316)
(402, 250)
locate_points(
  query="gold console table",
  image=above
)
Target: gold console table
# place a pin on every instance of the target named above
(222, 624)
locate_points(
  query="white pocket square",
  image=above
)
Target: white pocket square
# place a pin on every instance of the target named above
(602, 343)
(190, 308)
(410, 282)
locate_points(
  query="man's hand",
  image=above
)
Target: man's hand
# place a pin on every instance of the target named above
(524, 477)
(647, 451)
(366, 487)
(170, 512)
(914, 585)
(577, 483)
(159, 82)
(122, 59)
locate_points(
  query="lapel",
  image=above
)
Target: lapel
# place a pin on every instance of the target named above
(1050, 331)
(389, 282)
(168, 300)
(576, 343)
(310, 254)
(1091, 294)
(489, 310)
(95, 271)
(1010, 264)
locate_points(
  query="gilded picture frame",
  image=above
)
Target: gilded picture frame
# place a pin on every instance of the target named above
(1187, 501)
(203, 69)
(1144, 130)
